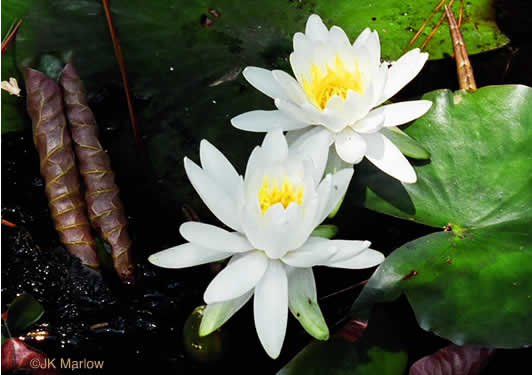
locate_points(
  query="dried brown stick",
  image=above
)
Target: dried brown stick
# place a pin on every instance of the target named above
(58, 167)
(436, 27)
(424, 25)
(122, 66)
(460, 16)
(466, 79)
(9, 37)
(101, 192)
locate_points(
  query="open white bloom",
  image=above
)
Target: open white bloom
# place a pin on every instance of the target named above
(337, 89)
(272, 212)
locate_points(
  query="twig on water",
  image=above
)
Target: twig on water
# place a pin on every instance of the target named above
(425, 25)
(461, 14)
(123, 73)
(10, 35)
(436, 27)
(351, 287)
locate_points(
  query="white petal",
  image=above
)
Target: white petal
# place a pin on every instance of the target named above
(239, 277)
(362, 38)
(274, 147)
(302, 45)
(374, 47)
(336, 104)
(367, 63)
(403, 71)
(290, 86)
(315, 251)
(216, 165)
(218, 200)
(357, 106)
(350, 146)
(339, 184)
(401, 113)
(255, 162)
(315, 29)
(373, 122)
(216, 314)
(282, 229)
(346, 250)
(378, 84)
(298, 113)
(270, 307)
(265, 121)
(314, 146)
(212, 237)
(387, 157)
(338, 38)
(335, 119)
(262, 80)
(335, 163)
(324, 193)
(367, 259)
(301, 66)
(303, 302)
(186, 255)
(295, 135)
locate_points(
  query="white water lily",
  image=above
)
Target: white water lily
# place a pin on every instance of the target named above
(272, 211)
(337, 89)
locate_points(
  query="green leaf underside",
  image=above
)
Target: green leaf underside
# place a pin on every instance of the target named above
(408, 146)
(471, 285)
(22, 313)
(325, 231)
(176, 58)
(378, 351)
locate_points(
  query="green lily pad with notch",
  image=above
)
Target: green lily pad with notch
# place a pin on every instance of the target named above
(471, 284)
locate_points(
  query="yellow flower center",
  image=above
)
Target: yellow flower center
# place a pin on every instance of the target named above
(336, 81)
(272, 193)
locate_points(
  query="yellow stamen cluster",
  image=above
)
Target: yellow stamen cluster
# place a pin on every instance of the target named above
(336, 81)
(271, 193)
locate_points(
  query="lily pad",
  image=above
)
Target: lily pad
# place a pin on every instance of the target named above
(188, 54)
(397, 21)
(472, 283)
(354, 350)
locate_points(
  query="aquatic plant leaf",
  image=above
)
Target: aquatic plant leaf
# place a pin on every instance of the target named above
(398, 21)
(188, 50)
(104, 206)
(13, 112)
(453, 360)
(408, 145)
(58, 166)
(479, 172)
(358, 348)
(22, 313)
(325, 231)
(470, 284)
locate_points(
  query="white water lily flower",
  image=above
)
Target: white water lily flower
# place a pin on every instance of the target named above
(337, 89)
(272, 212)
